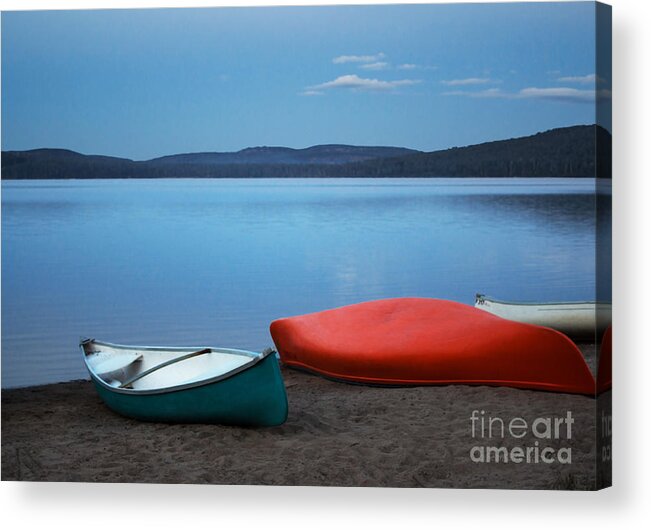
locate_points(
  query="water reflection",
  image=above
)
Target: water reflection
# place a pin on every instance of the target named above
(213, 262)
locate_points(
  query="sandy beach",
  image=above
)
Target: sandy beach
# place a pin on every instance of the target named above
(336, 435)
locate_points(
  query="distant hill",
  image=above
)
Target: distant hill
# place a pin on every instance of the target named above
(318, 154)
(63, 164)
(577, 151)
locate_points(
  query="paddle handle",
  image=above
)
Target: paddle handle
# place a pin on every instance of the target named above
(135, 378)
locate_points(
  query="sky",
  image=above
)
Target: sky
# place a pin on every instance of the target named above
(146, 83)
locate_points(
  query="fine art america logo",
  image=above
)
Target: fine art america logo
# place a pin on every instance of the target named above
(496, 439)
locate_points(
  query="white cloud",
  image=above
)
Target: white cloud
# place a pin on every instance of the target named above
(559, 94)
(567, 94)
(375, 66)
(467, 81)
(343, 59)
(354, 82)
(581, 79)
(412, 66)
(488, 93)
(309, 92)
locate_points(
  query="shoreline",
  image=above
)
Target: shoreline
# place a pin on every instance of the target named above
(554, 177)
(336, 435)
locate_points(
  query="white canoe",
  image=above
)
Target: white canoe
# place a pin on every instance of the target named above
(579, 320)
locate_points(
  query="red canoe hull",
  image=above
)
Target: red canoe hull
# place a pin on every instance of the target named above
(420, 341)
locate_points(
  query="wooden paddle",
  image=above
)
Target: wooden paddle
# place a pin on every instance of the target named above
(135, 378)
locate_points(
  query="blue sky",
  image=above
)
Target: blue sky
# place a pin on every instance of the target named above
(145, 83)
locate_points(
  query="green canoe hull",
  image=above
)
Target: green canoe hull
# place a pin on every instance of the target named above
(253, 397)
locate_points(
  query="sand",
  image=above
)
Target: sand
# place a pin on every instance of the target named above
(336, 435)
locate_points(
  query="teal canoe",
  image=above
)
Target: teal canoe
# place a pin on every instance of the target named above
(188, 385)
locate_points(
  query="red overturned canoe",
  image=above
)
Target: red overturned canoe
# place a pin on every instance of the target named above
(421, 341)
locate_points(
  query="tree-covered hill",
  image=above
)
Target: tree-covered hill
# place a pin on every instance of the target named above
(579, 151)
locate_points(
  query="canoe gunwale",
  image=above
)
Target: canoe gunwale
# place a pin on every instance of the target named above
(481, 298)
(401, 383)
(255, 359)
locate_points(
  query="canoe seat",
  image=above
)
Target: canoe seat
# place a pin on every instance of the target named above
(224, 365)
(117, 362)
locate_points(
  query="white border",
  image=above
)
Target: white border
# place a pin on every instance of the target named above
(103, 506)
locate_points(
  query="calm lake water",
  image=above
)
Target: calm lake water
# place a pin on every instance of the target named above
(213, 262)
